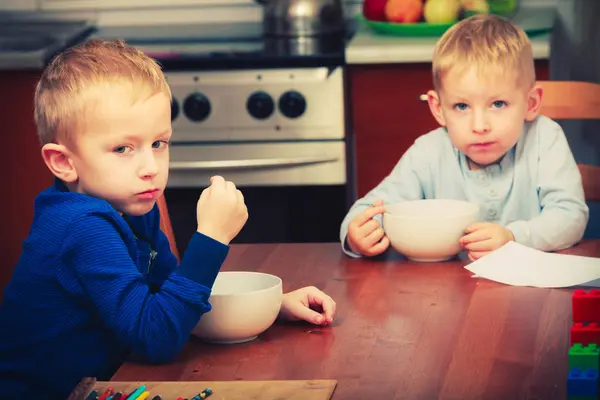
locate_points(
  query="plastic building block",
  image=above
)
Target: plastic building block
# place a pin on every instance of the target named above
(582, 398)
(586, 306)
(582, 383)
(584, 357)
(585, 334)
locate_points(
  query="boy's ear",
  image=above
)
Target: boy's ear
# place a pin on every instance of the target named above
(433, 99)
(534, 102)
(58, 160)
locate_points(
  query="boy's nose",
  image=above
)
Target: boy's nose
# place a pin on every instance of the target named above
(149, 166)
(480, 123)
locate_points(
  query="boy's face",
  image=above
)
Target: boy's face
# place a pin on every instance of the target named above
(484, 115)
(122, 153)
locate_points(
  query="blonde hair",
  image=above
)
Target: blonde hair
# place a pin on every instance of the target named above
(490, 43)
(73, 78)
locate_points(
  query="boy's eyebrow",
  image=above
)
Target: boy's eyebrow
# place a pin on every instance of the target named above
(165, 133)
(453, 98)
(132, 137)
(459, 98)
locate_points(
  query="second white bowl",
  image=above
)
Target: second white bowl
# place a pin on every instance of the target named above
(428, 230)
(244, 304)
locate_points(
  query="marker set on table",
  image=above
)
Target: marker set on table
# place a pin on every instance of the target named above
(139, 394)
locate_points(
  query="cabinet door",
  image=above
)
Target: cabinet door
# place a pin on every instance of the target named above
(388, 115)
(24, 172)
(18, 5)
(130, 4)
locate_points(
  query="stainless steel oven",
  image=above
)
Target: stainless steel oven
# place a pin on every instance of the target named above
(278, 134)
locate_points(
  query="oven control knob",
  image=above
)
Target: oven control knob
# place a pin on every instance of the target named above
(174, 108)
(196, 107)
(292, 104)
(260, 105)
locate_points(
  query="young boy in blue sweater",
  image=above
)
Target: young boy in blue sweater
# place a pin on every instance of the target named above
(96, 281)
(492, 149)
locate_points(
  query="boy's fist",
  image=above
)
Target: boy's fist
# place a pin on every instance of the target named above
(482, 238)
(221, 211)
(365, 236)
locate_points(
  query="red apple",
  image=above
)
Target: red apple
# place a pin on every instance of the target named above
(374, 10)
(404, 10)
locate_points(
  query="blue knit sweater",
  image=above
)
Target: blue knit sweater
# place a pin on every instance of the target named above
(93, 288)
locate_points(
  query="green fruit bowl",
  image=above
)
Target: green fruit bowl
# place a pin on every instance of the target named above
(423, 29)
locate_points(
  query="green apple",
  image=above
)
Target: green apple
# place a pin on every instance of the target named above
(441, 11)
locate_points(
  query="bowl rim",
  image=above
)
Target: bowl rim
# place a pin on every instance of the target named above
(279, 283)
(409, 217)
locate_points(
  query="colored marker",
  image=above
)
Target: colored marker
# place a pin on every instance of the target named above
(136, 393)
(144, 396)
(106, 393)
(202, 395)
(117, 396)
(93, 395)
(157, 397)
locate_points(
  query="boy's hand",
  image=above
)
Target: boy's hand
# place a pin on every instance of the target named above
(221, 211)
(365, 236)
(484, 237)
(308, 304)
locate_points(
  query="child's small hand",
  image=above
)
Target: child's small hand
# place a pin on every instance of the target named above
(484, 237)
(365, 235)
(308, 304)
(221, 211)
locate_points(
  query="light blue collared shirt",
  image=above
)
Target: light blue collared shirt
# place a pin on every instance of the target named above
(535, 190)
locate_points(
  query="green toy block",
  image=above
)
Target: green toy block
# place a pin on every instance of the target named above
(582, 398)
(584, 357)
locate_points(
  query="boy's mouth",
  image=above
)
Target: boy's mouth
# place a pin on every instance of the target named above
(482, 145)
(150, 194)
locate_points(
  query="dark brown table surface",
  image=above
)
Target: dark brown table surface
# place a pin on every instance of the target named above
(403, 330)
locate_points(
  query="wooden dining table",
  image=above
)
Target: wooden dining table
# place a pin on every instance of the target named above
(403, 330)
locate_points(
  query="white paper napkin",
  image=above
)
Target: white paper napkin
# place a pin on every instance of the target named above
(518, 265)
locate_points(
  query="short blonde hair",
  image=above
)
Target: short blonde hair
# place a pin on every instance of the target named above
(70, 82)
(490, 43)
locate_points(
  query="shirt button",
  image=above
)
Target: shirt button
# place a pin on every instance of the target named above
(492, 212)
(492, 192)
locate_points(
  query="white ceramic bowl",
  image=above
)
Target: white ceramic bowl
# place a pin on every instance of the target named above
(428, 230)
(244, 304)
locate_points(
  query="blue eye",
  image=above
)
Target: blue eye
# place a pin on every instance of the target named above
(120, 149)
(159, 144)
(499, 104)
(460, 106)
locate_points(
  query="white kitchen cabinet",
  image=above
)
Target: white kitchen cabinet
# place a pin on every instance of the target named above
(121, 4)
(18, 5)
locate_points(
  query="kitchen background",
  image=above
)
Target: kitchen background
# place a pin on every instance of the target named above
(300, 167)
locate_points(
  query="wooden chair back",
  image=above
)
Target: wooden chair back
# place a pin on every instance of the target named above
(575, 100)
(165, 225)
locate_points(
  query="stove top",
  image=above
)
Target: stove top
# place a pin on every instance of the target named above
(233, 46)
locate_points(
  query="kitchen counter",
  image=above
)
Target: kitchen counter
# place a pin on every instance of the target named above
(369, 47)
(29, 43)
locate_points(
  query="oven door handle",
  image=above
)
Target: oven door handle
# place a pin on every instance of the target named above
(249, 164)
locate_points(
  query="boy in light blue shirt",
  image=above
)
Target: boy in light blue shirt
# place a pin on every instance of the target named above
(492, 149)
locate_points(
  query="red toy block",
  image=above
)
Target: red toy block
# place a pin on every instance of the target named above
(586, 306)
(585, 334)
